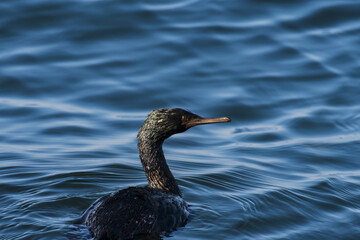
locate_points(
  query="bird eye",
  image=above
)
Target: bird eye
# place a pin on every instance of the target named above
(183, 118)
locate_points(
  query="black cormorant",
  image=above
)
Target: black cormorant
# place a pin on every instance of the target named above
(154, 210)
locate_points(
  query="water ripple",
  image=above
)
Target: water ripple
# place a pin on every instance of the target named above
(77, 79)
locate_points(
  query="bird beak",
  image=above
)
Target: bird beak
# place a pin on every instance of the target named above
(200, 121)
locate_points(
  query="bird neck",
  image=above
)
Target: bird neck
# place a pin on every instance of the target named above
(156, 169)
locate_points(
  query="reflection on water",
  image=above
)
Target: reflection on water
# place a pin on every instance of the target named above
(77, 79)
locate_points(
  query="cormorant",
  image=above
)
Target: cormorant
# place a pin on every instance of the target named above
(151, 211)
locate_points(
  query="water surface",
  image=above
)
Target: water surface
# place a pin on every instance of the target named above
(78, 78)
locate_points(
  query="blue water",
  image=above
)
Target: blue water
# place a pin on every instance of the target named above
(78, 78)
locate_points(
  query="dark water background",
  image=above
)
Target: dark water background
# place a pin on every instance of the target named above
(77, 79)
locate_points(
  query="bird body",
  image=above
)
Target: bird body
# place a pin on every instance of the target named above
(156, 213)
(151, 211)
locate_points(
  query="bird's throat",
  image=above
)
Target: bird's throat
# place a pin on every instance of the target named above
(156, 169)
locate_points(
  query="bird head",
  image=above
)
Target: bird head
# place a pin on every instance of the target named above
(163, 123)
